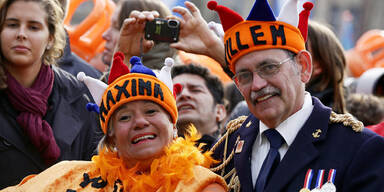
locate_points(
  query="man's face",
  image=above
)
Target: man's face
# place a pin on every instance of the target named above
(111, 36)
(195, 103)
(274, 98)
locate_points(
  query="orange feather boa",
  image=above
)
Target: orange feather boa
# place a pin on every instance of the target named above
(165, 172)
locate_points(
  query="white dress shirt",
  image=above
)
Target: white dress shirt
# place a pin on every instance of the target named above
(288, 129)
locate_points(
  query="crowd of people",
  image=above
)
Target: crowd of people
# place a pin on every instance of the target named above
(292, 119)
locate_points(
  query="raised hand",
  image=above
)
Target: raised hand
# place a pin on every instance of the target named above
(132, 32)
(196, 36)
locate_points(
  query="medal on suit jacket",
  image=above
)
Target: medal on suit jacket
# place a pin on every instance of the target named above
(319, 181)
(239, 146)
(307, 181)
(329, 186)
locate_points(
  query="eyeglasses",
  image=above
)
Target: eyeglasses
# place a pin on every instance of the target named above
(264, 70)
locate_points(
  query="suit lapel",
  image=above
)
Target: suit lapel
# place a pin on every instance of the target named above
(303, 150)
(247, 133)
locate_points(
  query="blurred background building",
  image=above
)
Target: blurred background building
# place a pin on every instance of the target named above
(348, 18)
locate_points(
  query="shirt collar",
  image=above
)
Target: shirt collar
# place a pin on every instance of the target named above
(289, 128)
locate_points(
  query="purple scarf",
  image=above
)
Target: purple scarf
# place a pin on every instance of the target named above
(32, 105)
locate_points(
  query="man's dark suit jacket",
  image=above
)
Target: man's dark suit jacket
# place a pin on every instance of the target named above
(357, 156)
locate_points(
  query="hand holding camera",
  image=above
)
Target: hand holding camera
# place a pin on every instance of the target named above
(189, 33)
(132, 34)
(139, 32)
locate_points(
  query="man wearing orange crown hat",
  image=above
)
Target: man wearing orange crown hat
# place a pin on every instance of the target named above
(291, 141)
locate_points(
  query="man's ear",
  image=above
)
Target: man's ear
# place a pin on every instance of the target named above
(305, 60)
(221, 112)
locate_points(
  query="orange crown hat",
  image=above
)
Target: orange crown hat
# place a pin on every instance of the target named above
(125, 86)
(261, 30)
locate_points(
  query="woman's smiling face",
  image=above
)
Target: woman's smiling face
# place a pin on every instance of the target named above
(141, 130)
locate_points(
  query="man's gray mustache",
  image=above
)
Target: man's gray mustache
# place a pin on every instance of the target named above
(265, 91)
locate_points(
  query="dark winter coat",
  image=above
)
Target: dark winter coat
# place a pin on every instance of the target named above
(76, 130)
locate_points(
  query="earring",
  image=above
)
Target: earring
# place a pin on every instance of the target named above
(175, 134)
(48, 48)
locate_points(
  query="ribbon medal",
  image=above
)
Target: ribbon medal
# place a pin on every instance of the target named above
(307, 181)
(329, 186)
(319, 181)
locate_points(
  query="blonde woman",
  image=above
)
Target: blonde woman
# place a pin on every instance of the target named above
(140, 150)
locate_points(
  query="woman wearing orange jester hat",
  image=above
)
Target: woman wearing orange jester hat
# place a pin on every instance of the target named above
(140, 150)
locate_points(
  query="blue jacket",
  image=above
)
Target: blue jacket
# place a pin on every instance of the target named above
(357, 156)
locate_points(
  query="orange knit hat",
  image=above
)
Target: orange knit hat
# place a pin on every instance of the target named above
(261, 30)
(123, 86)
